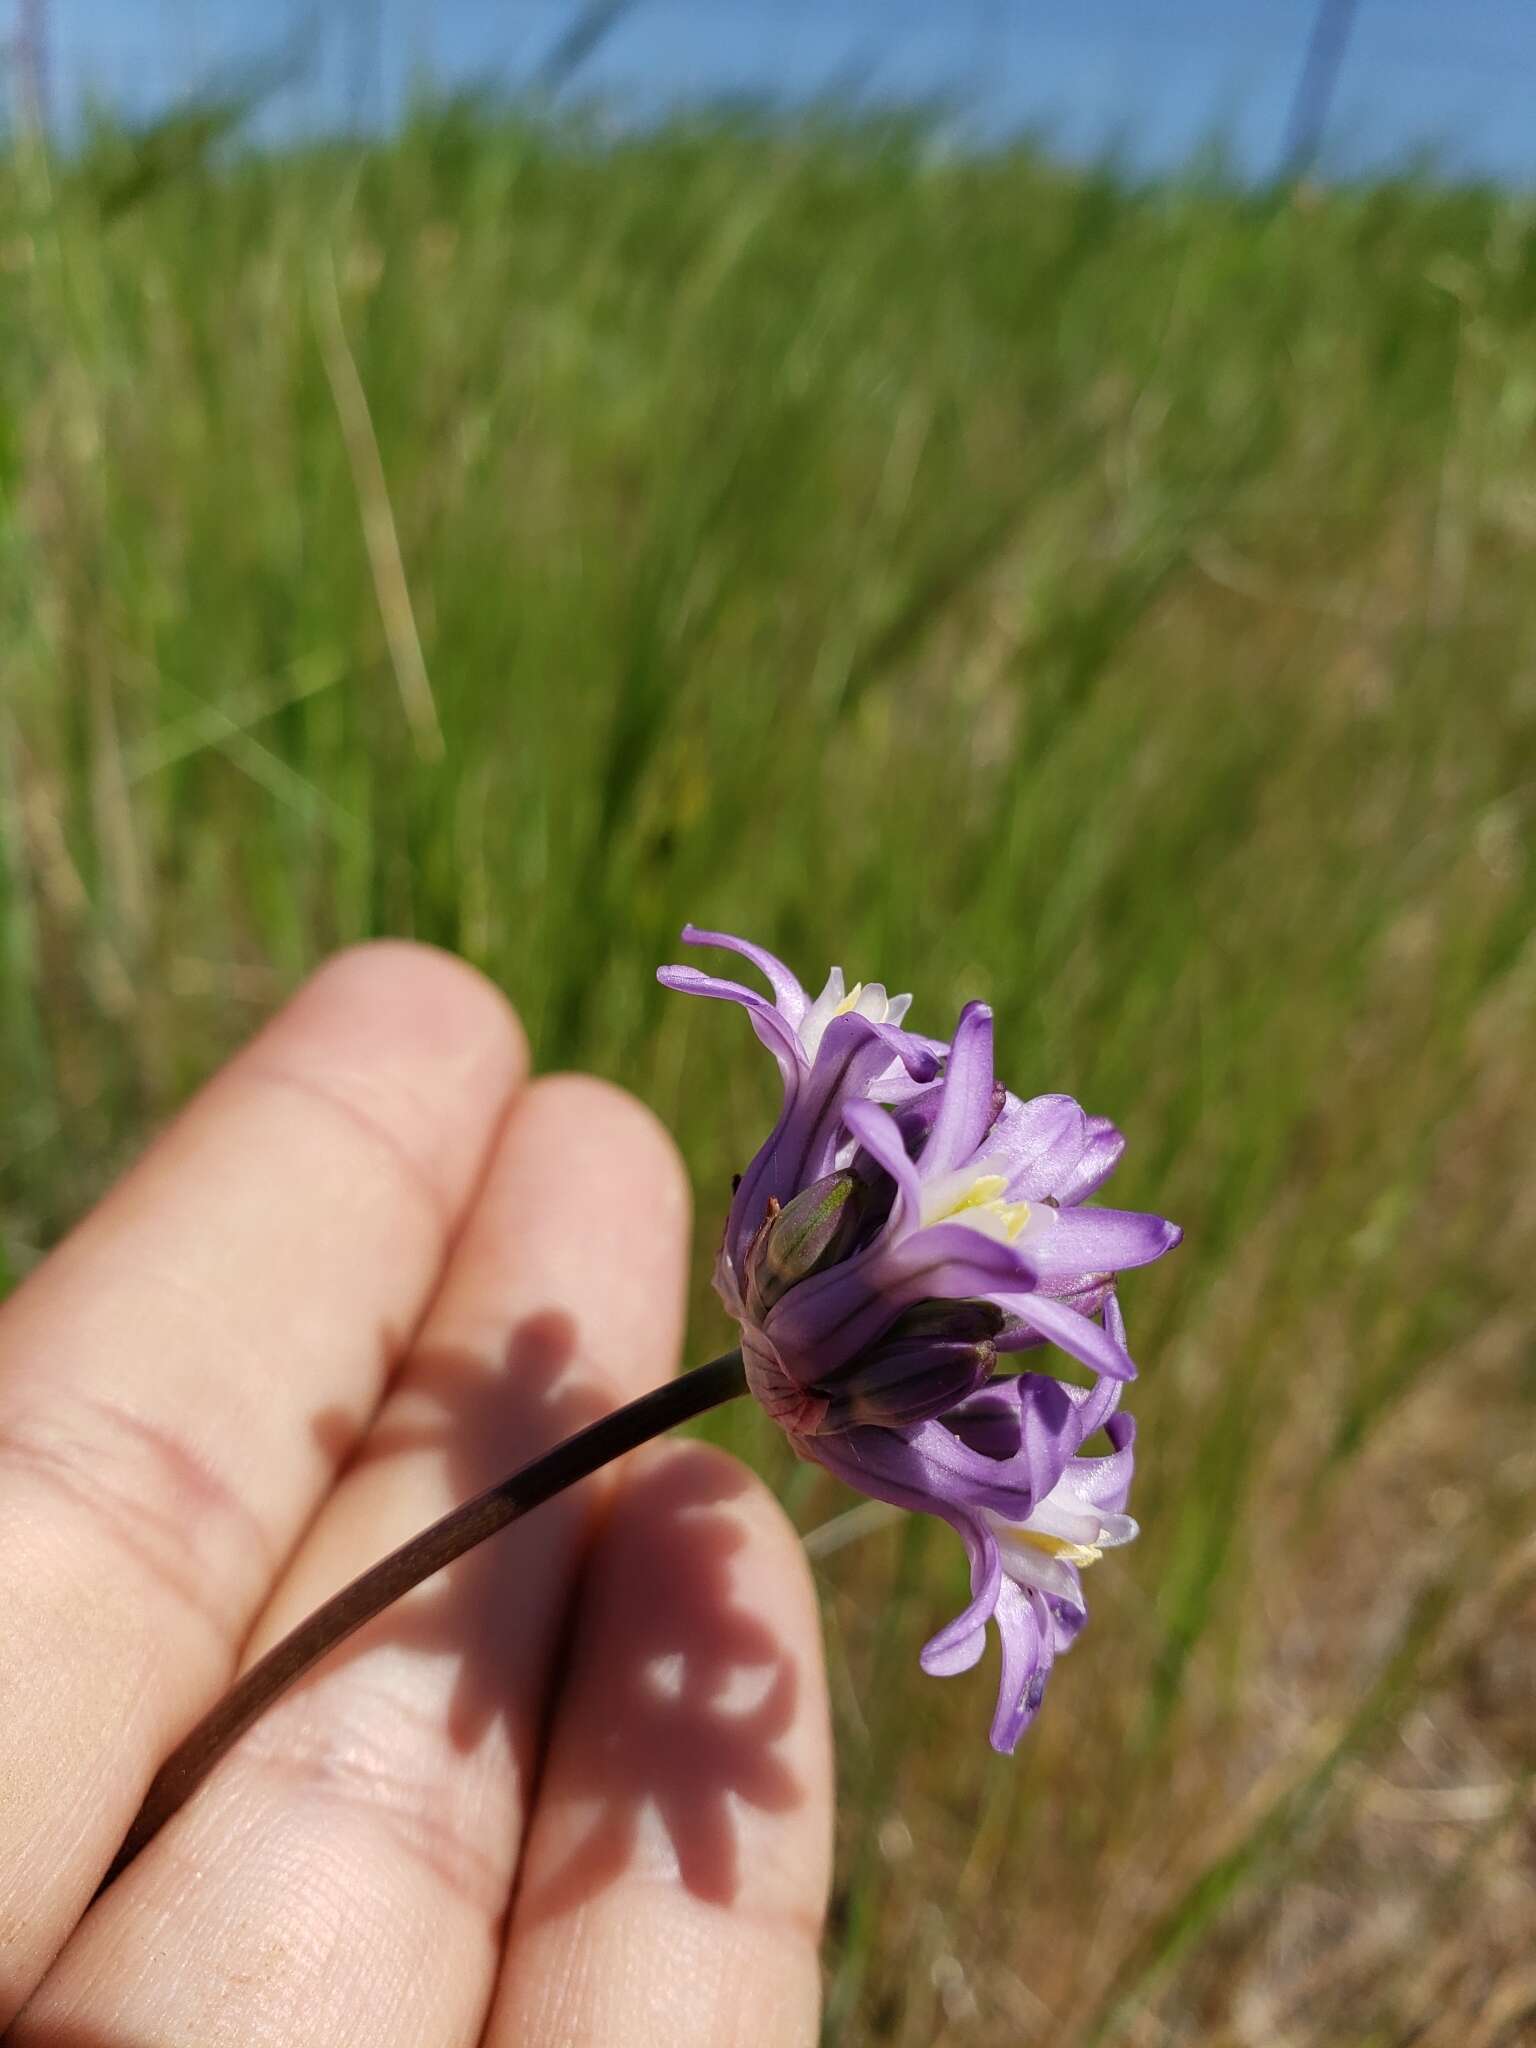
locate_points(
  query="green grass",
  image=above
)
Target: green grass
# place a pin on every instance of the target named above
(1114, 603)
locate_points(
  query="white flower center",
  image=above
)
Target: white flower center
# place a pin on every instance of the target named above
(1062, 1530)
(1058, 1546)
(979, 1199)
(864, 999)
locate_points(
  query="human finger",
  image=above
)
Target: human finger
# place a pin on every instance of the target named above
(178, 1381)
(382, 1802)
(676, 1872)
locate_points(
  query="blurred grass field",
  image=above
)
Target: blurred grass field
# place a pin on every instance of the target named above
(1113, 602)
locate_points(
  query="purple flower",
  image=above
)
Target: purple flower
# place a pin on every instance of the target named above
(907, 1221)
(846, 1044)
(1004, 1469)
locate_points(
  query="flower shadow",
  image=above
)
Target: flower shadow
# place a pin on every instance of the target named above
(696, 1691)
(681, 1697)
(671, 1697)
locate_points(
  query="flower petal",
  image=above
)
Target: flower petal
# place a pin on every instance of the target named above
(789, 997)
(1105, 1483)
(1090, 1241)
(959, 1644)
(1096, 1404)
(770, 1024)
(966, 1105)
(853, 1054)
(1027, 1565)
(884, 1465)
(1072, 1333)
(888, 1464)
(925, 1467)
(878, 1132)
(915, 1061)
(1028, 1651)
(957, 1647)
(1031, 1422)
(1097, 1161)
(1038, 1144)
(920, 1059)
(951, 1260)
(829, 1317)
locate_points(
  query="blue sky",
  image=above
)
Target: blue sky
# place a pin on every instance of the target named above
(1155, 77)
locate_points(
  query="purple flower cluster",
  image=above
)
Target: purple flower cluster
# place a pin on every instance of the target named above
(908, 1223)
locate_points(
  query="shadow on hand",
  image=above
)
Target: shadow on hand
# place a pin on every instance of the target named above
(659, 1729)
(482, 1423)
(677, 1696)
(695, 1690)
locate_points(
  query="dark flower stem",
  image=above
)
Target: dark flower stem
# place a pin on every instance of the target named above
(707, 1386)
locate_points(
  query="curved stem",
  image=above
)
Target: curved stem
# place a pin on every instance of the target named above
(637, 1422)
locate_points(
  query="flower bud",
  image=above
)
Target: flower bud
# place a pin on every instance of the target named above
(813, 1231)
(932, 1356)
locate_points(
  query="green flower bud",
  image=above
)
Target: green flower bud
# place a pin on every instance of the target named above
(804, 1236)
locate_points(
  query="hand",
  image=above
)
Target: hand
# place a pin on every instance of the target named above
(573, 1790)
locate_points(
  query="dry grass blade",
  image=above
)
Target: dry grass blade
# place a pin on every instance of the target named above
(390, 583)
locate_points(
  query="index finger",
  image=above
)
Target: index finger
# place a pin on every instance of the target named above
(179, 1380)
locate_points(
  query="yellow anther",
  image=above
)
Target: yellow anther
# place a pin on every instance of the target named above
(1058, 1546)
(850, 1001)
(981, 1204)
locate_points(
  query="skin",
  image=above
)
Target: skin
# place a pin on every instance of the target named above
(574, 1790)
